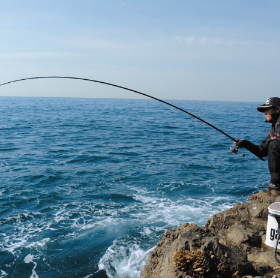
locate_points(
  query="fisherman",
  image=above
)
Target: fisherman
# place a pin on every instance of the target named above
(270, 146)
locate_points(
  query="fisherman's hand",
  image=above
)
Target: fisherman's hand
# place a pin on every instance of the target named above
(241, 143)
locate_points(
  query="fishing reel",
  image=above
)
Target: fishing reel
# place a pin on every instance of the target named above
(235, 150)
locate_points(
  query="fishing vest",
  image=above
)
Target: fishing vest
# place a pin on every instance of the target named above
(274, 131)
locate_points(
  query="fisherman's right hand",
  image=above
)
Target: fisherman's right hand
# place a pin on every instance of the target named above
(241, 143)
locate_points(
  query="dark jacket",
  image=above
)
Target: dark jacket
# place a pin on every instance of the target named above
(274, 133)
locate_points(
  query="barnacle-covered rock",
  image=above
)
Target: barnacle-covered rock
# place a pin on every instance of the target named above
(195, 263)
(236, 275)
(255, 197)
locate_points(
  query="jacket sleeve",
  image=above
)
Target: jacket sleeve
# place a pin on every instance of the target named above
(259, 150)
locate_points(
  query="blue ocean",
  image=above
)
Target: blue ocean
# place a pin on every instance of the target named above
(89, 186)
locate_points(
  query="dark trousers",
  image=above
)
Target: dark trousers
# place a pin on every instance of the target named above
(274, 160)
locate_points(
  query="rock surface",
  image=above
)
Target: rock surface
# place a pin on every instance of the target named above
(231, 244)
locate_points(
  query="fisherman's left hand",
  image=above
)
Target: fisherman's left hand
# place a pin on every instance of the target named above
(241, 143)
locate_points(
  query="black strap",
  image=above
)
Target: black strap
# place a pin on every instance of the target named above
(277, 217)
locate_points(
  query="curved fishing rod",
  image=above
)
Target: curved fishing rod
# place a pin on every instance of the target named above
(121, 87)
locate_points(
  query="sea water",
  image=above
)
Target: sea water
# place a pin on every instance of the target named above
(89, 186)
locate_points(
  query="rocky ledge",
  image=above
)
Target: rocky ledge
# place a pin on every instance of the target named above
(231, 244)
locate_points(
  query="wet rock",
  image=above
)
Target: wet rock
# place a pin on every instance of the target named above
(261, 268)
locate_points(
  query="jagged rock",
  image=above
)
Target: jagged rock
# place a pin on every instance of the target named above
(231, 244)
(261, 268)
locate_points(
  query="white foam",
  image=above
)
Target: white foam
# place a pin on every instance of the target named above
(26, 231)
(125, 261)
(3, 274)
(40, 243)
(135, 263)
(11, 244)
(29, 259)
(146, 231)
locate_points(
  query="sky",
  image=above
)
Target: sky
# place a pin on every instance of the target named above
(171, 49)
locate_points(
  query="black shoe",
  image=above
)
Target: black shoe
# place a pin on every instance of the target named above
(271, 186)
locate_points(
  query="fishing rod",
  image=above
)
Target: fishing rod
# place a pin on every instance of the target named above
(234, 150)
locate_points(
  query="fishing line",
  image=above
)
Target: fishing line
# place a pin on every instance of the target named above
(121, 87)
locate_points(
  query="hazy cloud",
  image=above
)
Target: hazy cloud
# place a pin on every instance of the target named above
(203, 40)
(213, 41)
(39, 55)
(190, 40)
(217, 42)
(96, 44)
(238, 42)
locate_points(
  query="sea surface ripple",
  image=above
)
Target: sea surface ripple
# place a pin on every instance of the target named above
(89, 186)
